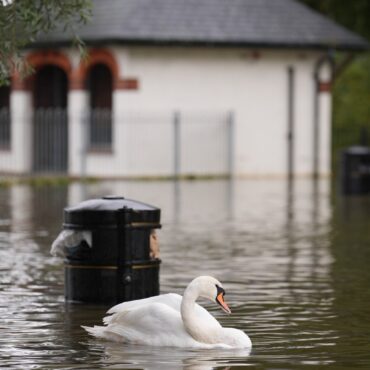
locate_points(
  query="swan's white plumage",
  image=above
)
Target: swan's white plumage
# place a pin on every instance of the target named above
(159, 321)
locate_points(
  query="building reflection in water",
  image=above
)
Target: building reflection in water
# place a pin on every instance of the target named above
(235, 213)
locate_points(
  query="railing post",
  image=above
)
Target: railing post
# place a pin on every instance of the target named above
(291, 123)
(84, 142)
(231, 144)
(176, 144)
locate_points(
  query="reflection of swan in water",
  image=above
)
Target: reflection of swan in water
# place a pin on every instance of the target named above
(118, 355)
(172, 320)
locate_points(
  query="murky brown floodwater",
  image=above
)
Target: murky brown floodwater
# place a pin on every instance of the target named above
(296, 267)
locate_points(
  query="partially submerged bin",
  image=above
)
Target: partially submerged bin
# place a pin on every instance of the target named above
(116, 267)
(355, 170)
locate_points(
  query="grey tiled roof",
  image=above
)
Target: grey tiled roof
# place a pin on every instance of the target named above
(271, 23)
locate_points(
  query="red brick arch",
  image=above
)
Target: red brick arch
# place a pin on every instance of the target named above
(76, 77)
(101, 56)
(37, 60)
(50, 57)
(95, 56)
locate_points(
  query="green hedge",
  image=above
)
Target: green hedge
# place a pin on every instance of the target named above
(351, 106)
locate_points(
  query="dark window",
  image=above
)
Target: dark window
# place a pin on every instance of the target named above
(100, 84)
(50, 120)
(4, 117)
(50, 88)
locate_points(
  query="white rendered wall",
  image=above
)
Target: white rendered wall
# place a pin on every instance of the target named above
(325, 99)
(195, 81)
(19, 158)
(77, 132)
(214, 80)
(325, 116)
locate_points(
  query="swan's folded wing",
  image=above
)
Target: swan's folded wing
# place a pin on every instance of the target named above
(152, 324)
(171, 300)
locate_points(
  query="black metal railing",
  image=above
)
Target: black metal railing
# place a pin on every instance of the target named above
(50, 140)
(164, 143)
(100, 130)
(5, 129)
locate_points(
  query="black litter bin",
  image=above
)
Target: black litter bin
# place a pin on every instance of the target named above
(355, 170)
(116, 267)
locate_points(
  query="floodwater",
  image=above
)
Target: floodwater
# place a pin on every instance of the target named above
(294, 260)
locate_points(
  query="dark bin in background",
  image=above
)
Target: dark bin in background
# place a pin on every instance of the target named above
(355, 170)
(117, 266)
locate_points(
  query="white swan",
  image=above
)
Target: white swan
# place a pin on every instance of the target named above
(172, 320)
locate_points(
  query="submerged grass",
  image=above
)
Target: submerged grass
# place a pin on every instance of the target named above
(42, 181)
(38, 181)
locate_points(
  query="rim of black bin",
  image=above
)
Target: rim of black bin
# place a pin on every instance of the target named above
(357, 150)
(111, 211)
(134, 264)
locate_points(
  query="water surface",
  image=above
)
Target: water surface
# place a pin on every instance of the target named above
(294, 262)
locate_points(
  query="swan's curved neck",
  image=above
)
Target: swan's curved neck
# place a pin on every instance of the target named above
(188, 302)
(194, 325)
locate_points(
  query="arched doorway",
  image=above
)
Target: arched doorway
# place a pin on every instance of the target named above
(50, 126)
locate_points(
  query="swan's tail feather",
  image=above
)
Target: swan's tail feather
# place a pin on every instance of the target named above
(96, 331)
(107, 319)
(103, 333)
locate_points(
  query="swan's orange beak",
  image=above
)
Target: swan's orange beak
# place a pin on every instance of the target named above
(222, 303)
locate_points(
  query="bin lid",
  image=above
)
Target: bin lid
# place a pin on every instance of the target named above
(357, 150)
(109, 211)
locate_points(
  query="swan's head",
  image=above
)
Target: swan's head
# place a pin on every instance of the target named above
(210, 288)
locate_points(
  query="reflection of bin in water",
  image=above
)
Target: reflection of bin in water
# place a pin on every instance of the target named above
(114, 263)
(355, 170)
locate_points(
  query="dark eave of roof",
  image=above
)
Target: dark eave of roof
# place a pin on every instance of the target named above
(207, 44)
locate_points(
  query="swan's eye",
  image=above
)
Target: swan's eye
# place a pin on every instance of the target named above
(220, 290)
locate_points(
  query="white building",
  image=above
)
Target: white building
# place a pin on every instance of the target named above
(185, 87)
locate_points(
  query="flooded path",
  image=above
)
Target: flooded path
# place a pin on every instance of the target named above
(295, 264)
